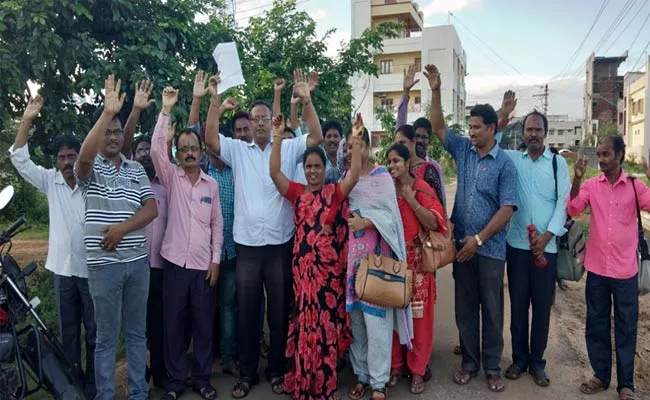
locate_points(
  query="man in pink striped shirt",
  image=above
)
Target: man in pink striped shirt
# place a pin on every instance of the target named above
(191, 249)
(611, 262)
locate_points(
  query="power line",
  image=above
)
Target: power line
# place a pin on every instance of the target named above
(639, 32)
(263, 6)
(612, 27)
(627, 26)
(584, 40)
(642, 56)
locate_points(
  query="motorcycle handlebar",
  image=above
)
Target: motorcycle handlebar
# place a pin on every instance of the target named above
(13, 228)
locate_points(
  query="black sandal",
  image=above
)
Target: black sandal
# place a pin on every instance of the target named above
(427, 374)
(207, 392)
(378, 391)
(540, 377)
(358, 391)
(277, 385)
(171, 395)
(244, 387)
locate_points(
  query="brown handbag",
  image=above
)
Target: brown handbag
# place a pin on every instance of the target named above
(384, 281)
(438, 250)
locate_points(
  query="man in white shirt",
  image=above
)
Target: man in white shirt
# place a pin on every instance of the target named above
(66, 255)
(263, 230)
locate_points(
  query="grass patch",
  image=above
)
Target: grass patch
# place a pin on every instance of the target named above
(37, 232)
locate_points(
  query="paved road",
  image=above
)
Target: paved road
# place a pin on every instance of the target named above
(565, 366)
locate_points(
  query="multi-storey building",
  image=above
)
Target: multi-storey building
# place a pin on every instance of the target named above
(417, 45)
(635, 114)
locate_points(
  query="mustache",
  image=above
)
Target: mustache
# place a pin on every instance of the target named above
(190, 158)
(68, 167)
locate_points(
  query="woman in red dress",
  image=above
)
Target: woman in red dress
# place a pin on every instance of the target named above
(319, 330)
(419, 206)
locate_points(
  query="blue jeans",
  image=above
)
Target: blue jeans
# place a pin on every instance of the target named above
(599, 293)
(119, 292)
(227, 312)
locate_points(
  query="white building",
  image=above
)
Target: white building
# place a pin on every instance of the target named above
(417, 45)
(564, 132)
(636, 133)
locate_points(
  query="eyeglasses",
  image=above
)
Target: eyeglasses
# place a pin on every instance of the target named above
(143, 152)
(116, 132)
(187, 149)
(68, 157)
(258, 119)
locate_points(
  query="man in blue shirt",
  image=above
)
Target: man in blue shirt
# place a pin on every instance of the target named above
(542, 197)
(485, 201)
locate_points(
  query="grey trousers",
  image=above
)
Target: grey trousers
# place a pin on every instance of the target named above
(371, 349)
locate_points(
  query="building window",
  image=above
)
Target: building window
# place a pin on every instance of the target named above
(418, 64)
(417, 99)
(576, 143)
(560, 132)
(389, 1)
(386, 67)
(641, 106)
(551, 132)
(387, 104)
(620, 118)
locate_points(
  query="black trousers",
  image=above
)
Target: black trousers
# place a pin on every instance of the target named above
(479, 312)
(599, 293)
(155, 328)
(187, 292)
(530, 286)
(258, 267)
(75, 306)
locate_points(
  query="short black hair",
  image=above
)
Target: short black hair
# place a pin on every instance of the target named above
(289, 130)
(260, 102)
(98, 113)
(332, 124)
(487, 113)
(314, 150)
(67, 140)
(423, 123)
(618, 143)
(239, 115)
(401, 150)
(140, 139)
(224, 131)
(538, 114)
(406, 130)
(365, 136)
(187, 131)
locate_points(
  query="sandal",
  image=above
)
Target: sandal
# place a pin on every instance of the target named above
(417, 385)
(171, 395)
(427, 374)
(335, 396)
(207, 392)
(463, 377)
(376, 392)
(592, 386)
(626, 394)
(540, 377)
(277, 385)
(394, 378)
(514, 372)
(359, 391)
(243, 387)
(495, 383)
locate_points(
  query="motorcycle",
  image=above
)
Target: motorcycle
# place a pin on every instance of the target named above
(31, 357)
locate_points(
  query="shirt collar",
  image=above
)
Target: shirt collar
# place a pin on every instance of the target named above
(202, 175)
(123, 160)
(494, 152)
(546, 154)
(623, 178)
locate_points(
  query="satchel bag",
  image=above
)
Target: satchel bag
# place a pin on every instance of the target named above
(384, 281)
(438, 250)
(644, 256)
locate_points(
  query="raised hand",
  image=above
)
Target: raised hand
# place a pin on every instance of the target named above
(279, 84)
(301, 87)
(295, 100)
(113, 101)
(409, 79)
(229, 104)
(357, 127)
(314, 79)
(169, 98)
(508, 105)
(433, 76)
(581, 166)
(33, 108)
(141, 99)
(278, 127)
(199, 89)
(213, 85)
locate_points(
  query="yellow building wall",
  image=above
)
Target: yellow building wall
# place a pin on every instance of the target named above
(636, 118)
(401, 61)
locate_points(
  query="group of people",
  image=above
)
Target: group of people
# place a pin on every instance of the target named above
(262, 218)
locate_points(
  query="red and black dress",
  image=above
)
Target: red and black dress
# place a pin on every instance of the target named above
(319, 329)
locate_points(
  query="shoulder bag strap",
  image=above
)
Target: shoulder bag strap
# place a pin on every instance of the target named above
(643, 246)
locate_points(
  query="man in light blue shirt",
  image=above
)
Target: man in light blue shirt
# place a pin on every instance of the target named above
(542, 191)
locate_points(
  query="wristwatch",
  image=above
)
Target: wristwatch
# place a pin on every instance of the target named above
(478, 240)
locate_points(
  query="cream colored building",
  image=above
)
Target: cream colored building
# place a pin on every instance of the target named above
(637, 110)
(417, 45)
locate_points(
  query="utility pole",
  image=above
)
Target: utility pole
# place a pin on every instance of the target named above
(234, 10)
(545, 98)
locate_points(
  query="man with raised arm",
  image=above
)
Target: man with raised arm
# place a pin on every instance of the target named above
(119, 203)
(191, 249)
(263, 229)
(486, 198)
(66, 254)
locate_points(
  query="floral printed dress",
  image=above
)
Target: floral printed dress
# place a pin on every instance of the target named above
(319, 330)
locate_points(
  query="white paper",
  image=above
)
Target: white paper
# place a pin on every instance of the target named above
(227, 59)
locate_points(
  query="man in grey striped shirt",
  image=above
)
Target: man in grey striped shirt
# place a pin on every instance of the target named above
(119, 204)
